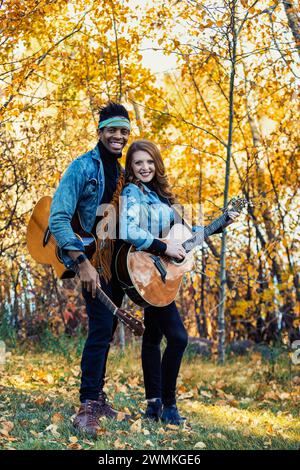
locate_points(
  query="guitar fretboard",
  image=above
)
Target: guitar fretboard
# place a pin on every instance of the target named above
(106, 300)
(200, 236)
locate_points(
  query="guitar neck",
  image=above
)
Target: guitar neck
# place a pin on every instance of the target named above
(134, 324)
(101, 295)
(106, 301)
(201, 235)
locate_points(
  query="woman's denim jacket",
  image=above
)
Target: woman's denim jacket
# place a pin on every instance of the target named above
(81, 188)
(143, 216)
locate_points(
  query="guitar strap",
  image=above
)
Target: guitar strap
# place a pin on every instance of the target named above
(104, 250)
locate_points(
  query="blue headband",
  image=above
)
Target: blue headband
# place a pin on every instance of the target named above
(115, 122)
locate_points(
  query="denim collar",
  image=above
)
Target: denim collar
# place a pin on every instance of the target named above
(95, 153)
(146, 188)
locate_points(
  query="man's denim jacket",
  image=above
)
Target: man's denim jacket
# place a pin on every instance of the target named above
(81, 188)
(143, 216)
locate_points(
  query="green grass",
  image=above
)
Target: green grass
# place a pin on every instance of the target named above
(246, 404)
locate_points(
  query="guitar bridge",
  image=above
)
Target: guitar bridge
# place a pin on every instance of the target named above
(160, 267)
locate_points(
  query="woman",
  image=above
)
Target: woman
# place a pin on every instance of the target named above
(146, 212)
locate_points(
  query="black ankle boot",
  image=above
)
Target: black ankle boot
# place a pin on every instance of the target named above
(153, 410)
(170, 415)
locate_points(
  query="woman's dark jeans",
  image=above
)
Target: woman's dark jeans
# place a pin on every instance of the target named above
(160, 375)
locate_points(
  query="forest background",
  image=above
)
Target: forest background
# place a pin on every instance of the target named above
(216, 86)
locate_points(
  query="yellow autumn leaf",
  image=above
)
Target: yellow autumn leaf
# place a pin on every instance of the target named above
(136, 426)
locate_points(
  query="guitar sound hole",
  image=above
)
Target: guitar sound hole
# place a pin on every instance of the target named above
(167, 259)
(177, 261)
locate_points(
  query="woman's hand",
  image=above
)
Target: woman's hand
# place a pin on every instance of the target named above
(175, 249)
(233, 216)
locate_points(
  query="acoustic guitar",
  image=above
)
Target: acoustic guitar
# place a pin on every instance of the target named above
(43, 248)
(148, 279)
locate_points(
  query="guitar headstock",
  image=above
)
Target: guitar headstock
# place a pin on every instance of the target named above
(134, 324)
(236, 204)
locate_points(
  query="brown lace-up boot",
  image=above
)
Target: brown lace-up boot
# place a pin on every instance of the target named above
(86, 419)
(107, 411)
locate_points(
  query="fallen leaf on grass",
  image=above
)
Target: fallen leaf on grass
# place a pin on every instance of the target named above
(90, 443)
(220, 384)
(136, 426)
(120, 416)
(121, 388)
(57, 418)
(267, 443)
(11, 439)
(200, 445)
(118, 444)
(23, 422)
(48, 379)
(40, 401)
(270, 396)
(270, 429)
(101, 431)
(229, 396)
(133, 381)
(217, 435)
(206, 394)
(53, 429)
(148, 443)
(6, 427)
(183, 396)
(172, 426)
(75, 371)
(284, 396)
(75, 446)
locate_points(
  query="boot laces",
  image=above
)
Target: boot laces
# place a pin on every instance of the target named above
(91, 409)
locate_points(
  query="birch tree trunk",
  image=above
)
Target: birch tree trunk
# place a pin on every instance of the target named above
(221, 308)
(293, 21)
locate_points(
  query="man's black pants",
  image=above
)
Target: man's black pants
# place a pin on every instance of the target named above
(101, 327)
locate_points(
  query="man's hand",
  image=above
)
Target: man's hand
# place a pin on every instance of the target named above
(89, 277)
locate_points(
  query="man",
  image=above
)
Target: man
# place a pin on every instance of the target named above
(91, 180)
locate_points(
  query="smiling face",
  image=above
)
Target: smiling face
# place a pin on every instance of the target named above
(143, 166)
(114, 138)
